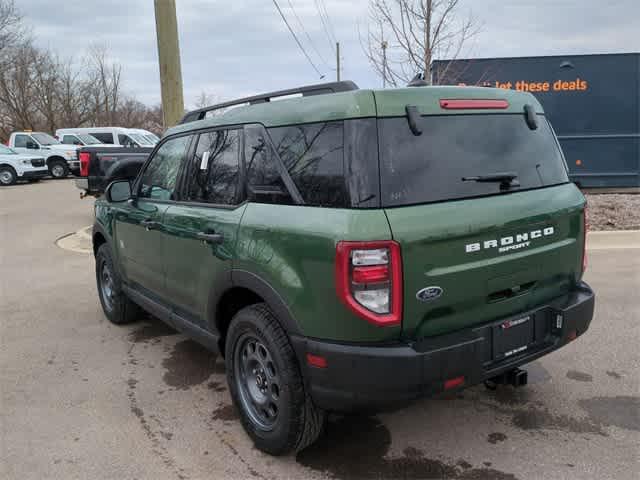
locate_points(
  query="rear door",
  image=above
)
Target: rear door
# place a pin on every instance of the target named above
(138, 226)
(477, 251)
(201, 230)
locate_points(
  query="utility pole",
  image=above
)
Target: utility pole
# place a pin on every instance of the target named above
(384, 46)
(338, 60)
(169, 57)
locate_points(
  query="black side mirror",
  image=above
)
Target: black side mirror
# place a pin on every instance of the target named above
(118, 191)
(32, 146)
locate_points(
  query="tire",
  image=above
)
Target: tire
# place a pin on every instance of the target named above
(58, 169)
(297, 422)
(116, 305)
(8, 176)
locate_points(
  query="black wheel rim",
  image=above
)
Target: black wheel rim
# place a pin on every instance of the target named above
(57, 171)
(106, 286)
(6, 177)
(257, 381)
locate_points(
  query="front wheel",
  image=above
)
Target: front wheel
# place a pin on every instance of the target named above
(116, 305)
(266, 384)
(58, 169)
(8, 176)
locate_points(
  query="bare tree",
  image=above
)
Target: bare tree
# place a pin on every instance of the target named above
(11, 29)
(405, 36)
(105, 77)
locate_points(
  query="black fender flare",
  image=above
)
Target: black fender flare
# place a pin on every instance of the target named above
(251, 281)
(125, 169)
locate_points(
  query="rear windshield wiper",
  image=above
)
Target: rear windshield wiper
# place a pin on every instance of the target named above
(506, 179)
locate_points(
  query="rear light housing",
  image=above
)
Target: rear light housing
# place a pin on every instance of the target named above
(585, 228)
(369, 280)
(472, 104)
(84, 163)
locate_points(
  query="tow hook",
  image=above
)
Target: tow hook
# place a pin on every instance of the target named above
(83, 194)
(516, 378)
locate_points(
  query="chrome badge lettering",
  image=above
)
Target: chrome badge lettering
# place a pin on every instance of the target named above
(512, 242)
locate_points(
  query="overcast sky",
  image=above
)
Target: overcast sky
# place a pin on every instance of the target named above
(240, 47)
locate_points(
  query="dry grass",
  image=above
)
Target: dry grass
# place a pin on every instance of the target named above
(614, 211)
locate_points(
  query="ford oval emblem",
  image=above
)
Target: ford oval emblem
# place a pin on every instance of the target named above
(429, 294)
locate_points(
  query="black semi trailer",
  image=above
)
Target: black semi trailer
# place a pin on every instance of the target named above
(592, 101)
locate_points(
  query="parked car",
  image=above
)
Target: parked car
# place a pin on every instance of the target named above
(82, 140)
(123, 137)
(60, 159)
(14, 167)
(99, 166)
(352, 251)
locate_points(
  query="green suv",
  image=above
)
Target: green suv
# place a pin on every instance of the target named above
(352, 250)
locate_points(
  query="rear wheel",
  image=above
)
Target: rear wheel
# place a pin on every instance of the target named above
(8, 176)
(266, 384)
(116, 305)
(58, 169)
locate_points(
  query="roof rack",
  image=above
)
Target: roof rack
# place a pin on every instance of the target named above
(310, 90)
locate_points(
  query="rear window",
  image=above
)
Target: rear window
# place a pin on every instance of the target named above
(430, 167)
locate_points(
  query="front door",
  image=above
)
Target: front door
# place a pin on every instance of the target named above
(139, 226)
(201, 231)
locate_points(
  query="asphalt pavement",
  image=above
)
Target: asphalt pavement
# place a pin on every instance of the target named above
(83, 399)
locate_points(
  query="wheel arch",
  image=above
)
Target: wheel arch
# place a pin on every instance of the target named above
(247, 289)
(55, 158)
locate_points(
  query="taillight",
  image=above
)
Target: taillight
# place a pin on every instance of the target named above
(369, 280)
(585, 228)
(84, 164)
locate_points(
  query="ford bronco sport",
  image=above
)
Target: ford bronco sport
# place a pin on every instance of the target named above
(352, 250)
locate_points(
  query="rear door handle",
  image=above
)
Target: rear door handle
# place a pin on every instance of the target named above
(213, 238)
(150, 224)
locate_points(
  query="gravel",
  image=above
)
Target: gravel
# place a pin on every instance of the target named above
(614, 211)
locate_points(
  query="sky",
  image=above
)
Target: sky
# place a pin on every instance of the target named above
(242, 47)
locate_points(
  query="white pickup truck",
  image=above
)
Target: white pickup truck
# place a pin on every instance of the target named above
(60, 159)
(14, 167)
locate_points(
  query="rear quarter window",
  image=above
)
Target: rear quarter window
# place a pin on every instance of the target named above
(430, 167)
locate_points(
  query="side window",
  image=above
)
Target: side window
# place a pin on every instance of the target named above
(70, 140)
(125, 141)
(264, 182)
(159, 178)
(314, 157)
(215, 169)
(104, 137)
(20, 141)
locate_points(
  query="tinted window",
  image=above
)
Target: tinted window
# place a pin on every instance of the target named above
(104, 137)
(314, 157)
(264, 182)
(20, 141)
(430, 167)
(214, 171)
(45, 139)
(126, 141)
(159, 178)
(70, 140)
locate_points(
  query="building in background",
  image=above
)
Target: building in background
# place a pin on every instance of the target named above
(592, 102)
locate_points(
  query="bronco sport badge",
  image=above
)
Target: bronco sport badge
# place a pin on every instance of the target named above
(513, 242)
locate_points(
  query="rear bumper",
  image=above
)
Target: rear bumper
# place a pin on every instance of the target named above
(375, 378)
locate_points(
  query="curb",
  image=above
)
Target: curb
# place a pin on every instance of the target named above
(613, 240)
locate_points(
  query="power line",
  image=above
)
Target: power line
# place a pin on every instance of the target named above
(295, 37)
(311, 42)
(325, 27)
(328, 18)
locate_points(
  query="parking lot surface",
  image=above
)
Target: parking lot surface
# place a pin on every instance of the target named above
(84, 399)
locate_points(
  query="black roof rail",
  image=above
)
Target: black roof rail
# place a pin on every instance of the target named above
(310, 90)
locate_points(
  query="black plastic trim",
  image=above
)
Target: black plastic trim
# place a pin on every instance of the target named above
(250, 281)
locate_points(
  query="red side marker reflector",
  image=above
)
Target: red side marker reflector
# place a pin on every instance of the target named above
(572, 335)
(453, 383)
(316, 361)
(472, 104)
